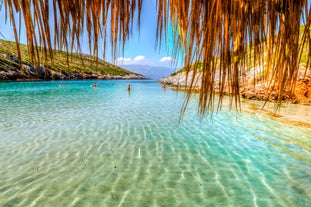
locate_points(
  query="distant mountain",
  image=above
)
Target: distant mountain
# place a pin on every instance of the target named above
(152, 72)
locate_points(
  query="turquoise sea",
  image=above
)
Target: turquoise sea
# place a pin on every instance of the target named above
(74, 145)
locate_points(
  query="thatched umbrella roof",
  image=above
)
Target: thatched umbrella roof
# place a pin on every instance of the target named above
(217, 33)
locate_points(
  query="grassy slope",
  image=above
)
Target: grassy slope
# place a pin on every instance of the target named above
(74, 63)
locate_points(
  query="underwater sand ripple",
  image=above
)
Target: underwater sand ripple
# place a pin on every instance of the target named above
(106, 148)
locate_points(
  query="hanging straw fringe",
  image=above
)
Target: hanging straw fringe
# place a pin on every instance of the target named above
(218, 34)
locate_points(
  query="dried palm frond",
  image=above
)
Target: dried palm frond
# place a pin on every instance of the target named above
(219, 30)
(69, 21)
(217, 33)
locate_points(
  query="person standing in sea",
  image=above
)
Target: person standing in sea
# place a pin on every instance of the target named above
(129, 89)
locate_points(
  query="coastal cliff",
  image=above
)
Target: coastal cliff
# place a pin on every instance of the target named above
(250, 88)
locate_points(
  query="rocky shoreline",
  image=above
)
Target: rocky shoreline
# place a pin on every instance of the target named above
(50, 74)
(248, 89)
(13, 72)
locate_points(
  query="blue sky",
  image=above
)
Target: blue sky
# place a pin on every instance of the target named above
(140, 48)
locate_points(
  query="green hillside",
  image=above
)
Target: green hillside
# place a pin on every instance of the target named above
(73, 66)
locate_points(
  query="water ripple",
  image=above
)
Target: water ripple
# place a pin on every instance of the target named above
(75, 146)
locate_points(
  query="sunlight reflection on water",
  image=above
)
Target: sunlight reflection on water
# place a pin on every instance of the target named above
(84, 146)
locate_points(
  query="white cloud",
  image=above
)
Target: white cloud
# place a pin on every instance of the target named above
(139, 58)
(127, 61)
(123, 59)
(166, 59)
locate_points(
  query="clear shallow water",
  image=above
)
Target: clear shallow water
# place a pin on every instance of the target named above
(84, 146)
